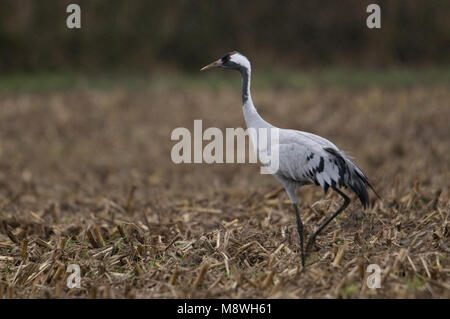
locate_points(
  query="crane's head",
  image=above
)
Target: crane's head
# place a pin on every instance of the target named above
(232, 60)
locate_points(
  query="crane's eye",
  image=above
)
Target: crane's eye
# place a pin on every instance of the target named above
(225, 58)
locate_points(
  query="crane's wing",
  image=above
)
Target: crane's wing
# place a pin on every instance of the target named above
(305, 157)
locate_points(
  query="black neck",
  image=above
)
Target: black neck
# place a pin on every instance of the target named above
(245, 73)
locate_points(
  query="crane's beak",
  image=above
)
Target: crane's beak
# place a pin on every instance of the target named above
(213, 65)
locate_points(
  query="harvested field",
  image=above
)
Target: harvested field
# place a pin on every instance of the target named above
(86, 178)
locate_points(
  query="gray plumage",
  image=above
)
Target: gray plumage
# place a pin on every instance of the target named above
(306, 158)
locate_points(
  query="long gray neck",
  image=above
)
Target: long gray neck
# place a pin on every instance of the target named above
(252, 118)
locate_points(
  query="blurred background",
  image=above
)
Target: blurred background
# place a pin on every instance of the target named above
(104, 99)
(141, 36)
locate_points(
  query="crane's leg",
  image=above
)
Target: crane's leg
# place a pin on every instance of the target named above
(300, 232)
(312, 239)
(290, 190)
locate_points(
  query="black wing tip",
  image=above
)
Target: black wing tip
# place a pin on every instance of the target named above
(362, 194)
(360, 186)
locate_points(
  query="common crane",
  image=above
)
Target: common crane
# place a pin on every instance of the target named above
(304, 158)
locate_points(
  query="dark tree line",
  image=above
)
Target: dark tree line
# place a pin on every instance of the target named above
(143, 34)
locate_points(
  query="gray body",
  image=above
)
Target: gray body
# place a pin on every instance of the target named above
(305, 158)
